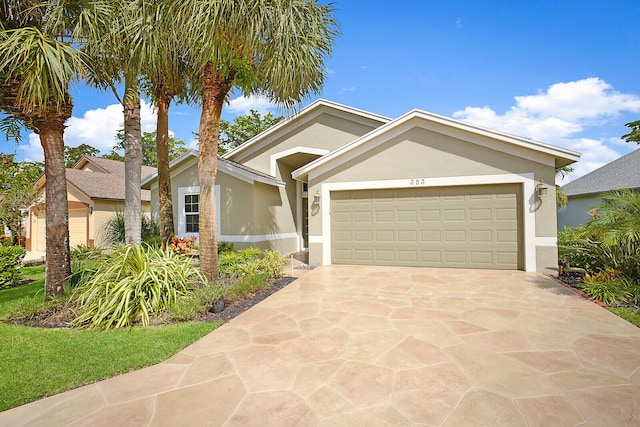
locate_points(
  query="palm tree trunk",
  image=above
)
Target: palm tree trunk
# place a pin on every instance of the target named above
(58, 266)
(132, 166)
(164, 178)
(215, 90)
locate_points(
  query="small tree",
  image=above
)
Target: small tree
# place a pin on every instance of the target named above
(634, 135)
(16, 192)
(73, 154)
(149, 150)
(561, 196)
(243, 129)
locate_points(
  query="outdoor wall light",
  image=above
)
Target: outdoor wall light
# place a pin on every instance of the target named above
(542, 189)
(316, 198)
(90, 210)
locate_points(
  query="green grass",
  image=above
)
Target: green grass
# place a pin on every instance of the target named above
(631, 315)
(38, 362)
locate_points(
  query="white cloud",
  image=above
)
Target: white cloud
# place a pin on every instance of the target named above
(244, 104)
(346, 89)
(559, 115)
(96, 128)
(459, 22)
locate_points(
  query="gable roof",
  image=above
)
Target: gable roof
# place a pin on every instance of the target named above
(298, 119)
(620, 173)
(515, 145)
(105, 184)
(229, 167)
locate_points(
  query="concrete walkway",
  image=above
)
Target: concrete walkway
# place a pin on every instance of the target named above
(356, 346)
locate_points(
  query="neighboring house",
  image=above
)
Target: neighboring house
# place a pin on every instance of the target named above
(95, 192)
(354, 187)
(583, 194)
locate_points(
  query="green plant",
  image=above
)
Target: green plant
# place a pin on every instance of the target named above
(181, 246)
(132, 284)
(113, 230)
(6, 241)
(272, 264)
(10, 264)
(235, 264)
(84, 252)
(225, 247)
(601, 288)
(198, 301)
(248, 285)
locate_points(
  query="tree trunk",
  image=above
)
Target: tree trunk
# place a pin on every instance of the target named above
(164, 179)
(132, 167)
(58, 267)
(215, 90)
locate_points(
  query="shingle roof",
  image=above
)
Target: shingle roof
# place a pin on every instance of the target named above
(623, 172)
(104, 185)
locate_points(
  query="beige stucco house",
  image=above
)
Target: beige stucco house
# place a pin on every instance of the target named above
(95, 192)
(354, 187)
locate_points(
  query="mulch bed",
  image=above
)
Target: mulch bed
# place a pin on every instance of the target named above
(60, 317)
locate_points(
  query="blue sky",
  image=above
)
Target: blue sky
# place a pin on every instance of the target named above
(561, 72)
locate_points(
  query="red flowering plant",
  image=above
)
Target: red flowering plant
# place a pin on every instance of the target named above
(181, 246)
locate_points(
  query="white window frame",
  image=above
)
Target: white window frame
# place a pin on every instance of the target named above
(182, 215)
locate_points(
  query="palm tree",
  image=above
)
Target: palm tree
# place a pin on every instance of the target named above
(36, 68)
(273, 48)
(166, 75)
(116, 57)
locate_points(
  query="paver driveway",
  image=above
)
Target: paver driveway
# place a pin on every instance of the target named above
(359, 346)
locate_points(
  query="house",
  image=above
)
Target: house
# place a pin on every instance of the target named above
(583, 194)
(354, 187)
(95, 192)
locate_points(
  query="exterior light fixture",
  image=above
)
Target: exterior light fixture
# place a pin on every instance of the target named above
(316, 198)
(90, 210)
(542, 189)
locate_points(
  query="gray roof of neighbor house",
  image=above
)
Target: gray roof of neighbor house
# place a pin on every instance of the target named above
(108, 183)
(623, 172)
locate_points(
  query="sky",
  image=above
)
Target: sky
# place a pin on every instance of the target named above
(562, 72)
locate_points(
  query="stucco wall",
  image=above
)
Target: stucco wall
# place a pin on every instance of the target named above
(577, 211)
(326, 131)
(420, 153)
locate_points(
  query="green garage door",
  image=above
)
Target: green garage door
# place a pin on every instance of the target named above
(457, 227)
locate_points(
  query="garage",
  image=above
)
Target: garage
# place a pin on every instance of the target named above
(77, 227)
(475, 226)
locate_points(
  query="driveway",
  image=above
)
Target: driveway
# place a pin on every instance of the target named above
(354, 346)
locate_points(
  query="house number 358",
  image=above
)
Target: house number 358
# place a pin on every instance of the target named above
(416, 181)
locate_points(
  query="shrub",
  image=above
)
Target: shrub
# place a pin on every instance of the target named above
(225, 247)
(198, 301)
(10, 264)
(84, 252)
(606, 287)
(248, 285)
(6, 241)
(251, 261)
(113, 230)
(272, 264)
(181, 246)
(133, 283)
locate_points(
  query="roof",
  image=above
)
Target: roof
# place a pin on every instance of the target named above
(106, 184)
(514, 144)
(307, 112)
(620, 173)
(229, 167)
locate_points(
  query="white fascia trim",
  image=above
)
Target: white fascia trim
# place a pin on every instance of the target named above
(528, 204)
(246, 149)
(521, 147)
(180, 159)
(273, 160)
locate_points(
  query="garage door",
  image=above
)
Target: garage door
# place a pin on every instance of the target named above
(77, 227)
(457, 227)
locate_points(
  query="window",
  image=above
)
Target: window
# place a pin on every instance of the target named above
(192, 213)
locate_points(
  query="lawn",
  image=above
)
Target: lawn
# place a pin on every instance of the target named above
(38, 362)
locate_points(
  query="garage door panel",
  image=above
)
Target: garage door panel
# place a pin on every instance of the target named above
(473, 227)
